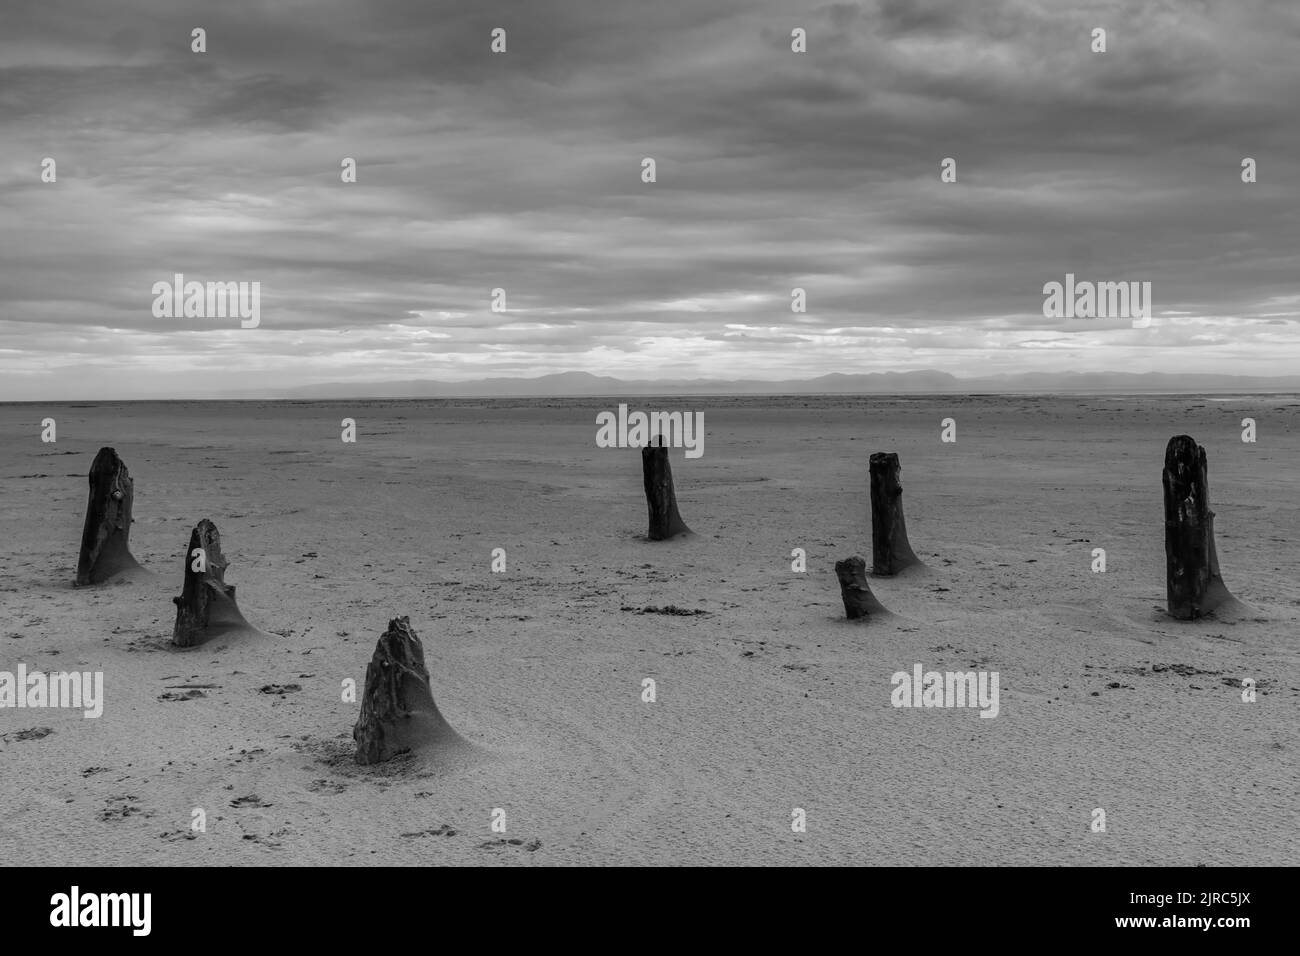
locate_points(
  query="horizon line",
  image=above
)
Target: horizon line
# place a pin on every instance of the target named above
(1120, 393)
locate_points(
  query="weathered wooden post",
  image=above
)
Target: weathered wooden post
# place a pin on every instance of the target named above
(397, 709)
(206, 607)
(105, 549)
(665, 522)
(859, 602)
(890, 550)
(1194, 586)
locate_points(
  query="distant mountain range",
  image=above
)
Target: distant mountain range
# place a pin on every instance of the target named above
(580, 384)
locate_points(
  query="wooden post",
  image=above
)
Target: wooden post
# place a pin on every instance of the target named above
(397, 709)
(890, 550)
(859, 602)
(1193, 584)
(105, 549)
(206, 607)
(665, 522)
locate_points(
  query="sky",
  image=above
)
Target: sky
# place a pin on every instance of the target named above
(523, 170)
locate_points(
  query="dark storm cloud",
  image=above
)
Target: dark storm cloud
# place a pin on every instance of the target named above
(522, 171)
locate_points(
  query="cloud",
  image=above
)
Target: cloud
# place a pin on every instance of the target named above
(522, 171)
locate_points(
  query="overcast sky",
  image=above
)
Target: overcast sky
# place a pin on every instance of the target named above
(523, 170)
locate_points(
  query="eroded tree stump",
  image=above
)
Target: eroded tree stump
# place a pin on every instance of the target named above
(397, 709)
(859, 602)
(1194, 586)
(206, 607)
(665, 522)
(890, 550)
(105, 549)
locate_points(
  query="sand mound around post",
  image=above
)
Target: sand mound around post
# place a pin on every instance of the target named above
(398, 714)
(859, 602)
(105, 551)
(207, 608)
(661, 498)
(1194, 585)
(891, 552)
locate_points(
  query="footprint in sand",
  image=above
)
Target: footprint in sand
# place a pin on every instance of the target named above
(322, 785)
(252, 800)
(531, 846)
(444, 830)
(270, 840)
(119, 808)
(31, 733)
(184, 695)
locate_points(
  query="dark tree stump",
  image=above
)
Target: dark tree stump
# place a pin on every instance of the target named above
(105, 549)
(206, 607)
(665, 522)
(890, 550)
(397, 709)
(859, 602)
(1194, 586)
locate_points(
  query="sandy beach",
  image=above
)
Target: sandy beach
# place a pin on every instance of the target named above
(767, 699)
